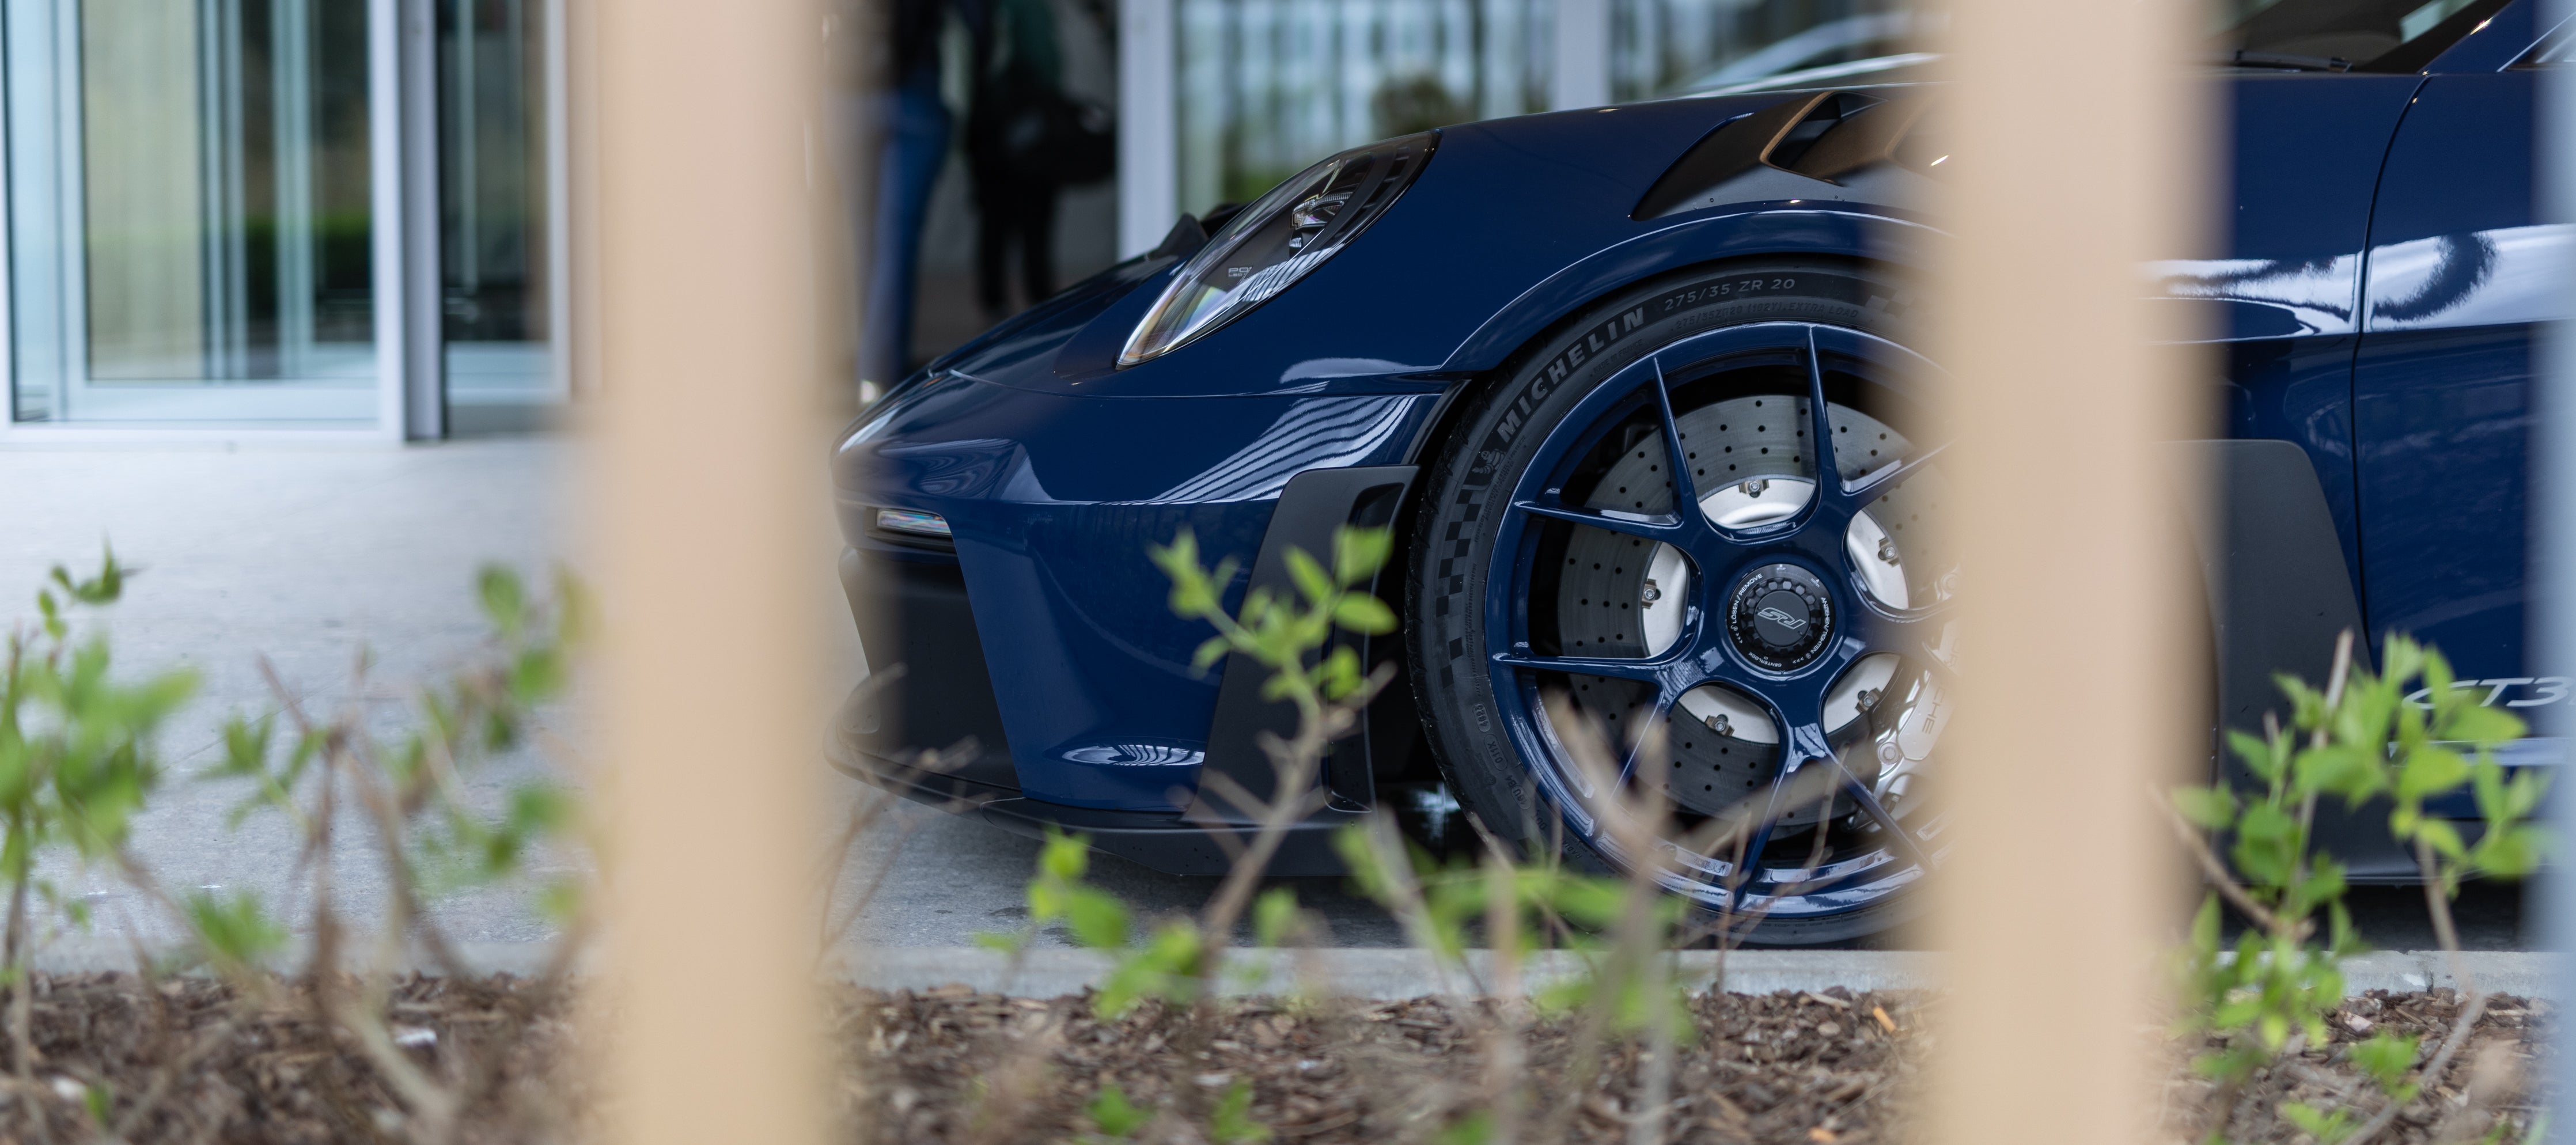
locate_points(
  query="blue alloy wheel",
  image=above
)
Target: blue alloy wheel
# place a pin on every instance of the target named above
(1776, 666)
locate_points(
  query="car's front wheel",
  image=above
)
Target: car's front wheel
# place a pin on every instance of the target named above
(1704, 519)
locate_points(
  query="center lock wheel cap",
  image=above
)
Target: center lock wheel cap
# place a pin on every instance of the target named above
(1780, 617)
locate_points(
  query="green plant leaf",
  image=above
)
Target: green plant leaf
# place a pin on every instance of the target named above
(2387, 1058)
(2204, 924)
(2444, 838)
(1363, 614)
(2524, 792)
(1359, 553)
(1210, 651)
(1274, 915)
(1309, 577)
(2430, 771)
(246, 745)
(1232, 1123)
(2401, 658)
(1476, 1128)
(2213, 808)
(538, 675)
(1112, 1114)
(2325, 883)
(233, 929)
(2265, 758)
(2266, 844)
(2327, 1128)
(1064, 856)
(1098, 920)
(2341, 769)
(2512, 852)
(1339, 674)
(2307, 705)
(504, 599)
(2481, 725)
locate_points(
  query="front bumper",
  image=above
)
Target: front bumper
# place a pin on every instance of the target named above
(932, 733)
(913, 606)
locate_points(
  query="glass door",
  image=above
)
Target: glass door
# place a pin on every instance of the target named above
(196, 195)
(498, 186)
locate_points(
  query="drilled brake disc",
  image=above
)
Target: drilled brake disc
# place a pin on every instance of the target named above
(1622, 596)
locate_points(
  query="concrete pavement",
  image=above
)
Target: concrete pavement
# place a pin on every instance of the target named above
(305, 556)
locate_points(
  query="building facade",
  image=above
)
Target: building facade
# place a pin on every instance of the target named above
(334, 217)
(349, 218)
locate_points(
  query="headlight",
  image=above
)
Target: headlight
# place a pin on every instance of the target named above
(1275, 241)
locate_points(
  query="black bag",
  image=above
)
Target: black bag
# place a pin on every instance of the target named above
(1023, 128)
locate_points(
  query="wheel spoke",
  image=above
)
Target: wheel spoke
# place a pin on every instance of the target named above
(1666, 528)
(1644, 671)
(1654, 716)
(1925, 636)
(1810, 783)
(1758, 837)
(1906, 845)
(1820, 418)
(1888, 477)
(1676, 459)
(1802, 742)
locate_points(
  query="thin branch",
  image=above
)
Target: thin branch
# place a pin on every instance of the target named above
(208, 1041)
(2437, 902)
(402, 882)
(2432, 1072)
(1296, 764)
(428, 1100)
(1505, 1058)
(2225, 884)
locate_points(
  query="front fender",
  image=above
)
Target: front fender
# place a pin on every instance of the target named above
(1877, 234)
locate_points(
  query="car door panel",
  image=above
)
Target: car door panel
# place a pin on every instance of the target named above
(2441, 389)
(2305, 156)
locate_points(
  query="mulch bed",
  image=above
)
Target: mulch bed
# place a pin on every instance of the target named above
(2494, 1076)
(189, 1059)
(1784, 1068)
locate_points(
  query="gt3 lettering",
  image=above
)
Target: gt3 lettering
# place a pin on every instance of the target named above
(2544, 691)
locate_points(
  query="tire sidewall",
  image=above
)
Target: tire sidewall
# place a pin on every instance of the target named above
(1498, 436)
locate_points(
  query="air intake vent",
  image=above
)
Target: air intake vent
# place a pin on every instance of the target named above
(1825, 136)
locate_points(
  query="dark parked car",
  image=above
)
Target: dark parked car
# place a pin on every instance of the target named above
(1522, 344)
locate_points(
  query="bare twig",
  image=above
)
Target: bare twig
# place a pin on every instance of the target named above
(1296, 762)
(2439, 905)
(149, 1102)
(2437, 902)
(876, 806)
(1505, 1061)
(1405, 893)
(403, 886)
(2432, 1072)
(2219, 879)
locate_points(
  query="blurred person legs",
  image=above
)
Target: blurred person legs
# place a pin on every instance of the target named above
(1024, 139)
(916, 125)
(1013, 211)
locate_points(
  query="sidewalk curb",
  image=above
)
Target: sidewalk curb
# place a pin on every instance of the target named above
(1386, 974)
(1393, 973)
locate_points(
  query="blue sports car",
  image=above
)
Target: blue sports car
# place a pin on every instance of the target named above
(1529, 346)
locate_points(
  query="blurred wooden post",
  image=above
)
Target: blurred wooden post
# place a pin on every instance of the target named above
(711, 478)
(2077, 135)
